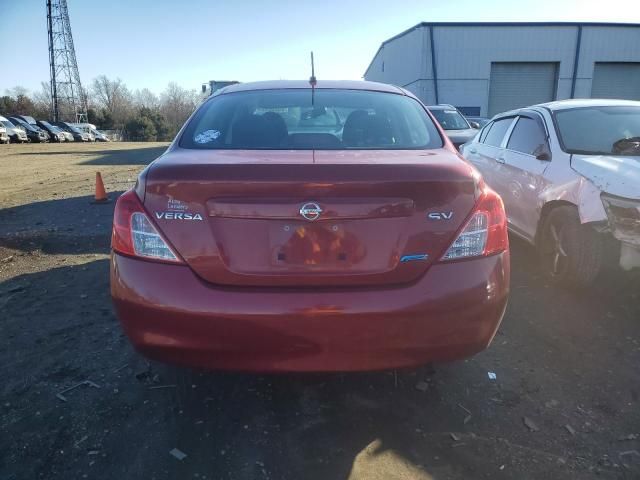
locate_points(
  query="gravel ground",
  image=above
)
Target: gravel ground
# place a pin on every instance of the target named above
(564, 403)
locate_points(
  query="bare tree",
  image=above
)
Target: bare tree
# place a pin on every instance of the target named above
(145, 98)
(176, 104)
(42, 101)
(16, 92)
(114, 97)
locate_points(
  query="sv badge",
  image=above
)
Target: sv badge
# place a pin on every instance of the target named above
(440, 215)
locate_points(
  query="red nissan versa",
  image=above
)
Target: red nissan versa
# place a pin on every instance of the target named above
(297, 229)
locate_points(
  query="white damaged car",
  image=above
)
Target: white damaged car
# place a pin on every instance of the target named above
(569, 175)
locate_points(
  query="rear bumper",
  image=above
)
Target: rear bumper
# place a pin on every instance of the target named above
(171, 315)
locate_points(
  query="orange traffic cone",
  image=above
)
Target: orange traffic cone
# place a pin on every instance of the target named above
(101, 194)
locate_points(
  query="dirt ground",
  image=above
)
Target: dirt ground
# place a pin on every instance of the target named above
(564, 404)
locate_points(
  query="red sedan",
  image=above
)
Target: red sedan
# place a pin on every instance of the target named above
(291, 228)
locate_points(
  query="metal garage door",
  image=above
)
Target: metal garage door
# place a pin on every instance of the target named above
(616, 80)
(520, 84)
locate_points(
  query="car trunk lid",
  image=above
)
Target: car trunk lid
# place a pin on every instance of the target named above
(237, 217)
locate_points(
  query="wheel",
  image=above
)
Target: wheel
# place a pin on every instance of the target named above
(571, 253)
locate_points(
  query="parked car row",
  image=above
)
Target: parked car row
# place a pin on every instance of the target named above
(23, 128)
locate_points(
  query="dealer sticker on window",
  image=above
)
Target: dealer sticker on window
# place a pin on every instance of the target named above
(207, 136)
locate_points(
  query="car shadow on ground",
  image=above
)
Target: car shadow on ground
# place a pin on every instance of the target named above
(139, 156)
(67, 225)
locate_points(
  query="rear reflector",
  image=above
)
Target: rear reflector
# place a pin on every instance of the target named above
(134, 234)
(485, 233)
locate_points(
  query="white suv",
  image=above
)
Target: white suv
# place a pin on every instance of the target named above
(4, 138)
(569, 175)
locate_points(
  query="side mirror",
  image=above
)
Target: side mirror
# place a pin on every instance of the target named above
(475, 125)
(543, 156)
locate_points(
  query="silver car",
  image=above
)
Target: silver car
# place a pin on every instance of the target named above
(15, 133)
(455, 125)
(569, 175)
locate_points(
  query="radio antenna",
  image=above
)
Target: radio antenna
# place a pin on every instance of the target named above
(312, 81)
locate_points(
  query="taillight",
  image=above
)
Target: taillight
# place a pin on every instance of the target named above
(485, 233)
(134, 234)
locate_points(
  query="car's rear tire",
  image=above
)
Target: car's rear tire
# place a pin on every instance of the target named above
(571, 253)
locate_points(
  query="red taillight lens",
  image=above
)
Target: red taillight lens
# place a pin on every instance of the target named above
(134, 234)
(126, 205)
(498, 238)
(485, 233)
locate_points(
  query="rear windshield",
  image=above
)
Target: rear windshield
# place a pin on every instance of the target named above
(296, 119)
(600, 130)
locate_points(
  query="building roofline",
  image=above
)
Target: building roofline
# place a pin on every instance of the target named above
(497, 24)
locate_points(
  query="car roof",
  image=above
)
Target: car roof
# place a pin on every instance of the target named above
(321, 84)
(572, 103)
(588, 102)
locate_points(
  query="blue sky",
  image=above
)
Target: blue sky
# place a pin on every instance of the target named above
(150, 43)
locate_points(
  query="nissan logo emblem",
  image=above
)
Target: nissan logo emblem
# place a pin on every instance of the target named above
(310, 211)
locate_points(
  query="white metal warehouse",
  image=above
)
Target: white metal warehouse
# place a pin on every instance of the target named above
(488, 68)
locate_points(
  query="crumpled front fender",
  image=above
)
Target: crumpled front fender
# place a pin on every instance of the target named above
(580, 192)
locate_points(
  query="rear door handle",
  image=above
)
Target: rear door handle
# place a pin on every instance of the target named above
(473, 150)
(500, 159)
